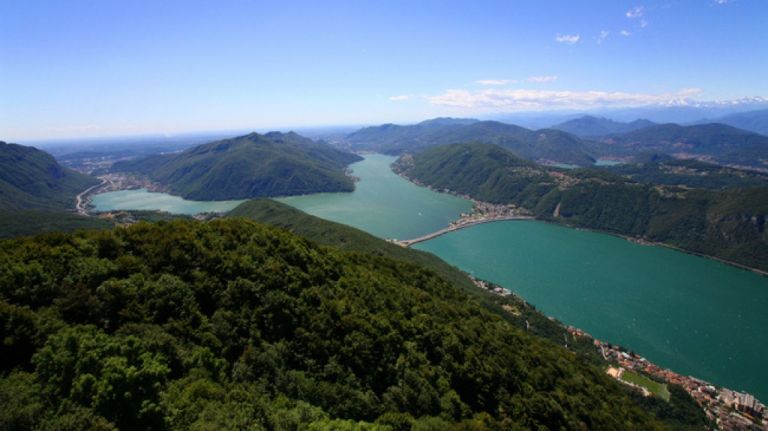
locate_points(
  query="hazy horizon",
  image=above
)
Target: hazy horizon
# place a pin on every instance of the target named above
(105, 69)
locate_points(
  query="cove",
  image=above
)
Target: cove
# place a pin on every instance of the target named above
(696, 316)
(141, 199)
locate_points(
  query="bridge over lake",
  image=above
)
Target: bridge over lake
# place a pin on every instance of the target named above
(457, 226)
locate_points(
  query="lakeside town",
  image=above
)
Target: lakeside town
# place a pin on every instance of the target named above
(725, 408)
(110, 183)
(728, 409)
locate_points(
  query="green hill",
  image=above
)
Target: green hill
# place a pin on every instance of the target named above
(713, 142)
(233, 325)
(273, 164)
(539, 145)
(589, 126)
(32, 179)
(728, 224)
(38, 195)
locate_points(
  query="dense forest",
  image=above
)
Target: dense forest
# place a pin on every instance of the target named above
(273, 164)
(233, 325)
(728, 224)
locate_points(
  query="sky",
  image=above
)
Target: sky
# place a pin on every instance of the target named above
(79, 68)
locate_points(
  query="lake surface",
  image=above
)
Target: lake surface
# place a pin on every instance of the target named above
(141, 199)
(607, 162)
(384, 204)
(693, 315)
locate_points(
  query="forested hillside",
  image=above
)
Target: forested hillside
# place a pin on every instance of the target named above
(713, 142)
(273, 164)
(729, 224)
(38, 195)
(31, 179)
(661, 169)
(233, 325)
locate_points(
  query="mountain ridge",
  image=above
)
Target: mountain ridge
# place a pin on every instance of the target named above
(590, 126)
(253, 165)
(543, 144)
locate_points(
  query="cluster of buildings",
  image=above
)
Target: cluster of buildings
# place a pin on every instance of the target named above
(729, 409)
(484, 211)
(120, 181)
(490, 287)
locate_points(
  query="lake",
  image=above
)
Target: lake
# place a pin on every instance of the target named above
(141, 199)
(696, 316)
(384, 204)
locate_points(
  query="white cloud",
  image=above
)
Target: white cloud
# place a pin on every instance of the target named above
(643, 23)
(495, 81)
(635, 12)
(625, 33)
(602, 35)
(723, 1)
(399, 98)
(542, 79)
(568, 39)
(507, 100)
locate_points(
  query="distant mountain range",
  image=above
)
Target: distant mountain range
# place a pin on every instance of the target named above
(589, 126)
(273, 164)
(679, 111)
(728, 224)
(538, 145)
(754, 121)
(578, 141)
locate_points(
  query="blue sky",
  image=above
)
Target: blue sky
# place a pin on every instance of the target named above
(104, 68)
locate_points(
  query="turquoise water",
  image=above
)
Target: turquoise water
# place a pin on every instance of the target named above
(606, 162)
(384, 204)
(142, 199)
(693, 315)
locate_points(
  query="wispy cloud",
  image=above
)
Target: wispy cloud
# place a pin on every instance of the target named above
(399, 98)
(502, 100)
(635, 12)
(723, 1)
(602, 35)
(542, 79)
(643, 23)
(625, 33)
(495, 81)
(568, 39)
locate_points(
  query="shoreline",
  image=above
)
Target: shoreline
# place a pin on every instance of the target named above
(727, 408)
(640, 241)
